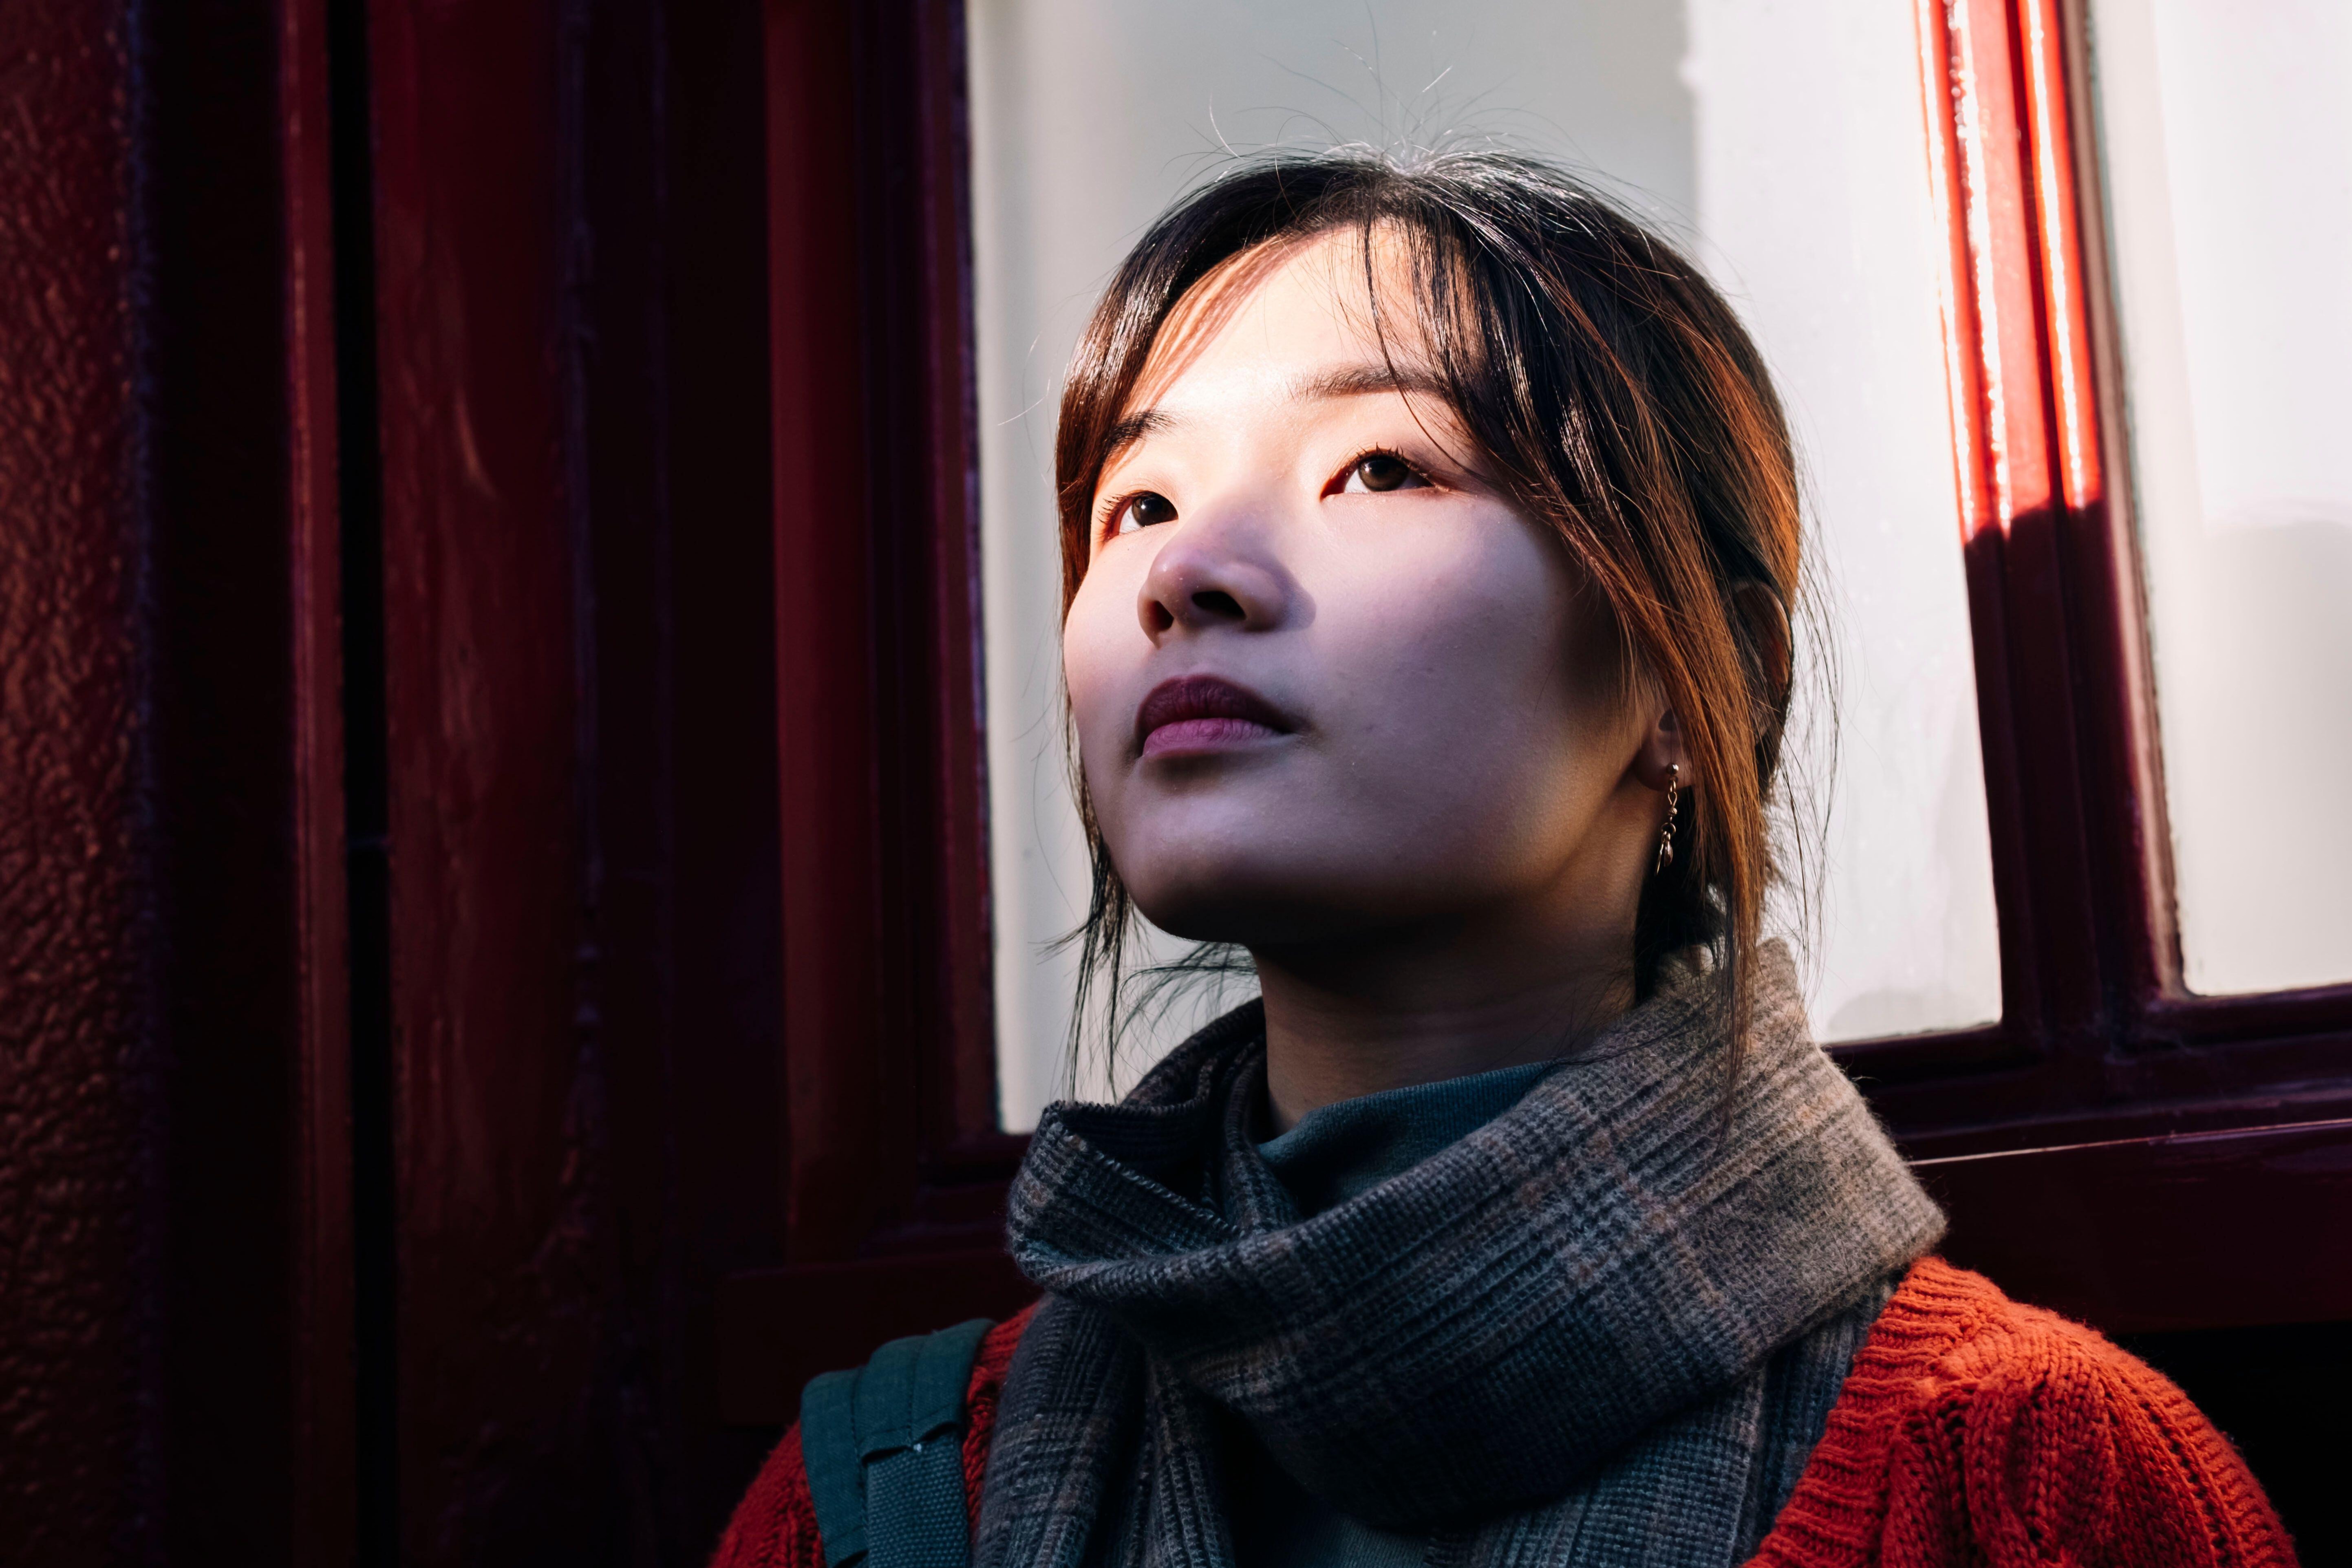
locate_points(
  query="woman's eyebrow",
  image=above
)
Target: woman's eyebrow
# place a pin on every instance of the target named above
(1358, 380)
(1349, 381)
(1127, 430)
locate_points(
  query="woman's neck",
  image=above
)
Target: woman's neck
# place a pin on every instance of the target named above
(1346, 1019)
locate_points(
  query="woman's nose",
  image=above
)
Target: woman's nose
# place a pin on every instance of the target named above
(1204, 578)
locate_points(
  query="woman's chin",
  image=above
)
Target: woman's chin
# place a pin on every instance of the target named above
(1229, 907)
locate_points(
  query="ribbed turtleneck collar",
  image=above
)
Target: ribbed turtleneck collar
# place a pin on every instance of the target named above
(1350, 1146)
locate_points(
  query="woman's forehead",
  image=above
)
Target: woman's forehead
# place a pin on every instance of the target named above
(1291, 319)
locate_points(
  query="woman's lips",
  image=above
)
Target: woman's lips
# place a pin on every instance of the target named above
(1195, 713)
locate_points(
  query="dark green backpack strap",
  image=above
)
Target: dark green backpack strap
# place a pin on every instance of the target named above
(883, 1447)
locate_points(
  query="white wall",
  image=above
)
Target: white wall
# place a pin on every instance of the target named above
(1815, 216)
(1785, 138)
(2226, 135)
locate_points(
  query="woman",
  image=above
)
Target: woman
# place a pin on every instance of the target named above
(1430, 534)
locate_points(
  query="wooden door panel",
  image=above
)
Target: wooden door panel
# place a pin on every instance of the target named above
(2199, 1230)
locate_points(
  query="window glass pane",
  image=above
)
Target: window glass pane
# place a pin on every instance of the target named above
(1784, 142)
(2226, 138)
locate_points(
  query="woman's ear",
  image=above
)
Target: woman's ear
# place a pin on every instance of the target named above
(1662, 756)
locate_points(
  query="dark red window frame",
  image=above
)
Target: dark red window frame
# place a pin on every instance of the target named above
(2094, 1003)
(2115, 1145)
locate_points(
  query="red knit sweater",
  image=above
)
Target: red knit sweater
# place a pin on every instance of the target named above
(1971, 1431)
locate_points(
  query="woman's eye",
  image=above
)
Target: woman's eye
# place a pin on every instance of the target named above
(1141, 510)
(1381, 471)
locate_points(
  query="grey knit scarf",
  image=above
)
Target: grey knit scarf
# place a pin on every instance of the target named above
(1553, 1341)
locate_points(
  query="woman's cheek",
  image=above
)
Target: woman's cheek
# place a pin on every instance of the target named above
(1101, 642)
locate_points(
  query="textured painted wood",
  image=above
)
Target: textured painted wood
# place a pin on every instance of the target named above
(2222, 1229)
(778, 1328)
(321, 1473)
(842, 1172)
(177, 1307)
(255, 1309)
(580, 770)
(78, 1075)
(720, 915)
(500, 1264)
(888, 1042)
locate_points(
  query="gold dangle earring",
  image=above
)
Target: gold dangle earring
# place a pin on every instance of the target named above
(1674, 804)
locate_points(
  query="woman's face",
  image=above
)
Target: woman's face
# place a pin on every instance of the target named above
(1326, 679)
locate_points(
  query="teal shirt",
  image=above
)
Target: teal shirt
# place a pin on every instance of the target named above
(1335, 1152)
(1351, 1146)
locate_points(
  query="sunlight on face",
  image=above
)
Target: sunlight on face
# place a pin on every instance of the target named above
(1326, 678)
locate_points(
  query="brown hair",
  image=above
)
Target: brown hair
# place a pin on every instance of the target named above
(1615, 398)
